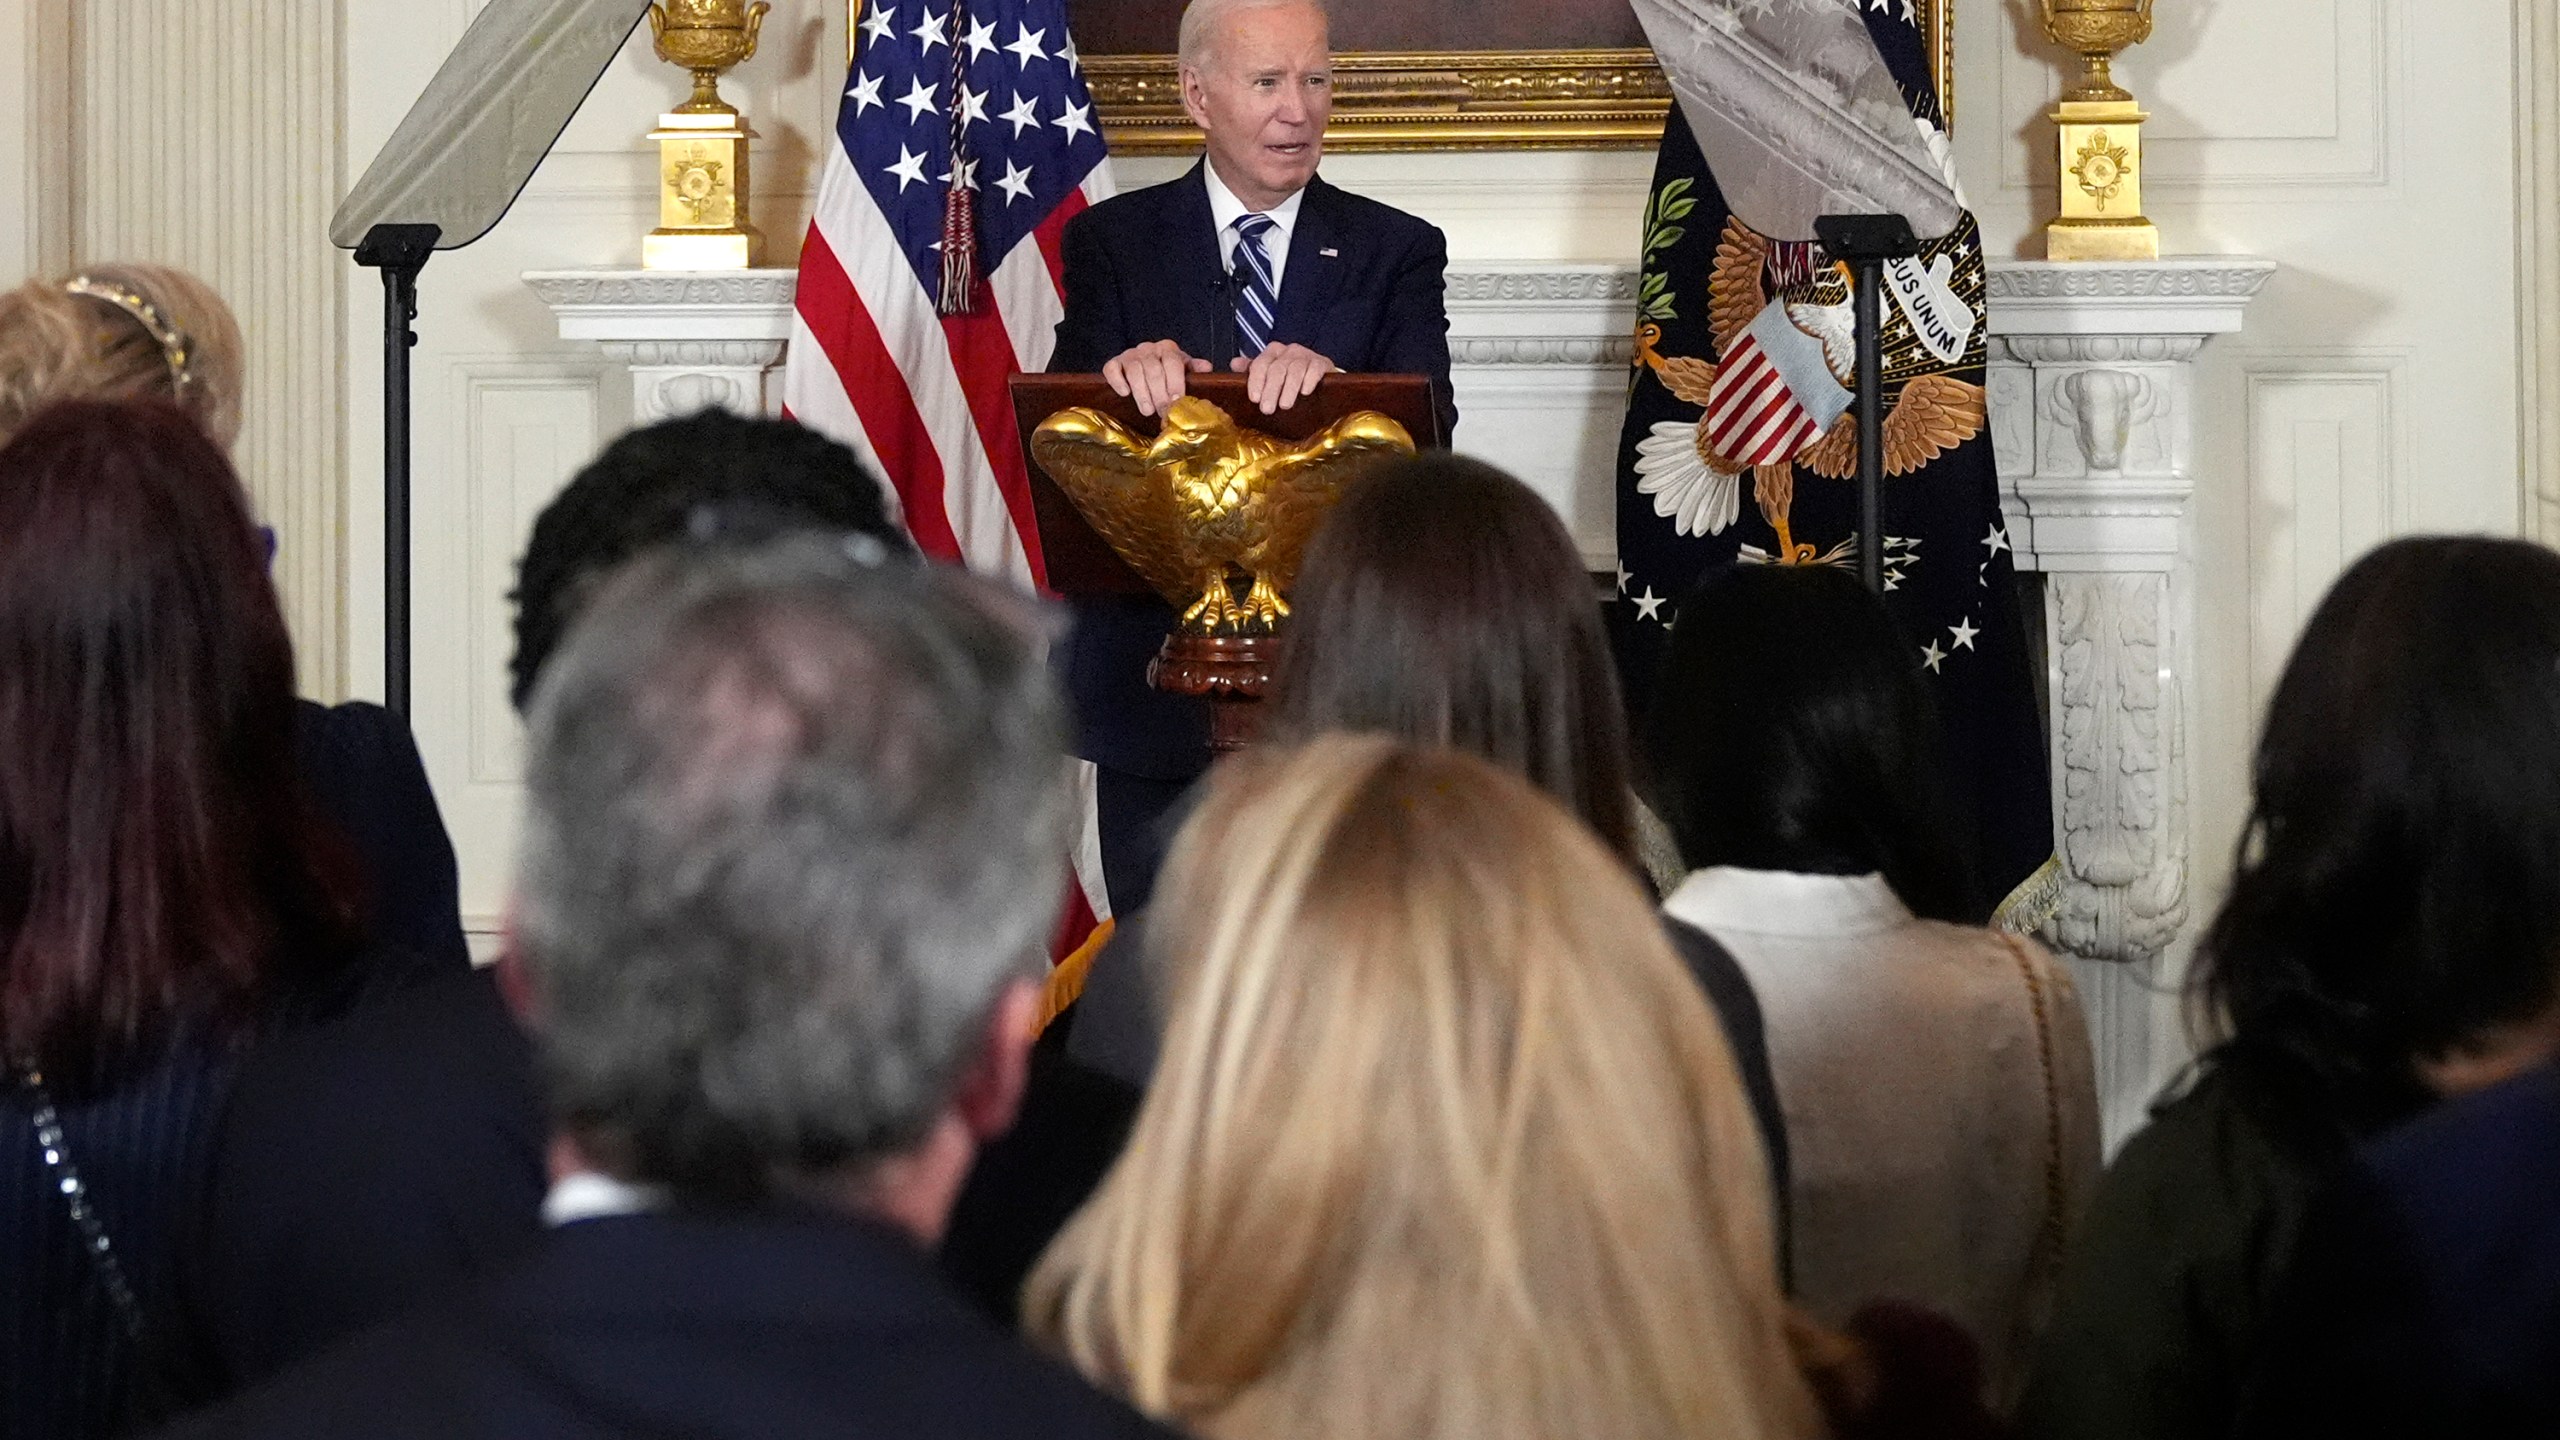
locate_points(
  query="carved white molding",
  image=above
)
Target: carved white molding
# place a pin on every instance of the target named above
(691, 339)
(2093, 421)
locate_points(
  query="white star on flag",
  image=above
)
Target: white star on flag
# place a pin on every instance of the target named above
(1963, 631)
(1067, 50)
(981, 38)
(1624, 577)
(1024, 114)
(1077, 117)
(919, 101)
(865, 94)
(877, 25)
(1026, 47)
(1015, 183)
(909, 169)
(930, 31)
(1996, 540)
(968, 175)
(1649, 606)
(1933, 657)
(973, 106)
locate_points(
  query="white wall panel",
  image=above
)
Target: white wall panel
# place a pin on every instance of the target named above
(2322, 490)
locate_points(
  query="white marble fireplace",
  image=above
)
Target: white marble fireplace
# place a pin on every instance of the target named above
(2093, 420)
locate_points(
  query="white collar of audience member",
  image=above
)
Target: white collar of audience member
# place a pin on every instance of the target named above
(1225, 209)
(1785, 902)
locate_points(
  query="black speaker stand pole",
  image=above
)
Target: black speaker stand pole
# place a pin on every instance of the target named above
(1864, 243)
(399, 252)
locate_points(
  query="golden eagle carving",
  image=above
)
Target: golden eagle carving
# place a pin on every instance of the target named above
(1207, 498)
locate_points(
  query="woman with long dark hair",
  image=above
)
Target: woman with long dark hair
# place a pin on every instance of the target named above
(2391, 936)
(167, 892)
(1935, 1075)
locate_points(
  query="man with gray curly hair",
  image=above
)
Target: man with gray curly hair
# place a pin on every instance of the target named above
(789, 863)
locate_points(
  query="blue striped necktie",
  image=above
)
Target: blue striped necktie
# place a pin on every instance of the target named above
(1257, 299)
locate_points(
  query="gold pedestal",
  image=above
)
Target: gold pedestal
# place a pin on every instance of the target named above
(702, 195)
(2101, 153)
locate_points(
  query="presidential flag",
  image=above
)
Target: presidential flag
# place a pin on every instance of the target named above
(1745, 359)
(965, 142)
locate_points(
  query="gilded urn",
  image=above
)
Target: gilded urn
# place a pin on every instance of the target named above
(2097, 29)
(707, 37)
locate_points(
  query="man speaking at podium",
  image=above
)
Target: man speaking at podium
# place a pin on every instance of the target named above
(1248, 263)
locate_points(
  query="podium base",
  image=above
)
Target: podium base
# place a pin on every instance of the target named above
(1231, 672)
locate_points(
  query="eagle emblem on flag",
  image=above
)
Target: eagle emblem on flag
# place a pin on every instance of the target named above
(1777, 393)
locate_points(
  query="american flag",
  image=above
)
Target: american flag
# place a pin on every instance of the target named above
(872, 360)
(982, 97)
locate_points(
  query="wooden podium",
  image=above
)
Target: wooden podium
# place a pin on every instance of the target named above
(1231, 672)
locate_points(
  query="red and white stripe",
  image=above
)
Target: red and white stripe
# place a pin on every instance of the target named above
(925, 399)
(1752, 417)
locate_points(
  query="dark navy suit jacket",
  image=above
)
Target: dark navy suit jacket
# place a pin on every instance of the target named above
(774, 1327)
(1363, 287)
(2425, 1295)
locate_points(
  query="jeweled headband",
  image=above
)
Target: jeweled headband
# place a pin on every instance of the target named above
(174, 345)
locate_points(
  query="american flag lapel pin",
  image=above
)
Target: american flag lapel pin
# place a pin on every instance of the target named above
(1330, 253)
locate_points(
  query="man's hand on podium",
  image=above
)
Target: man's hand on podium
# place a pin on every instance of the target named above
(1154, 374)
(1282, 375)
(1158, 373)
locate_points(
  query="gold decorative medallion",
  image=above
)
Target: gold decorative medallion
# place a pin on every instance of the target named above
(2102, 168)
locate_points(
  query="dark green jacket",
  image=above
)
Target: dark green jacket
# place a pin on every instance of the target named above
(2172, 1272)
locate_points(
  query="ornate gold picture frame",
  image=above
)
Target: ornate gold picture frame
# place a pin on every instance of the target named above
(1455, 99)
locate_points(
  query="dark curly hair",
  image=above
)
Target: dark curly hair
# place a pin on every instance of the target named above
(1791, 730)
(658, 484)
(2398, 885)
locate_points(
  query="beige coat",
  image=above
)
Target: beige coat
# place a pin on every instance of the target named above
(1941, 1113)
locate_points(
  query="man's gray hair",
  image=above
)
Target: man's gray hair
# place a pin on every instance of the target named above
(1204, 20)
(797, 816)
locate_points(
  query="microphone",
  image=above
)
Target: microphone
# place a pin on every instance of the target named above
(1223, 289)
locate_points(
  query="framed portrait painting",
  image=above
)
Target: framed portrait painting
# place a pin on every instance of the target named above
(1431, 74)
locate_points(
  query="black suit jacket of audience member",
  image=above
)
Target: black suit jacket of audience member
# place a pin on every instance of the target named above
(2425, 1295)
(1093, 1064)
(1364, 286)
(771, 1326)
(361, 767)
(362, 1167)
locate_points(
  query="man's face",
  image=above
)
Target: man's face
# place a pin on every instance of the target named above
(1261, 96)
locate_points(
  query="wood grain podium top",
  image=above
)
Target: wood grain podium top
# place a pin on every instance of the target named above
(1077, 560)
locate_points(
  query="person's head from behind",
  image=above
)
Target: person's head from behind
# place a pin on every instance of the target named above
(1791, 730)
(121, 332)
(1257, 78)
(158, 862)
(2396, 910)
(1444, 1142)
(714, 471)
(794, 814)
(1443, 602)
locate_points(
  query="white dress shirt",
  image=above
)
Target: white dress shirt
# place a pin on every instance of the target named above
(1225, 210)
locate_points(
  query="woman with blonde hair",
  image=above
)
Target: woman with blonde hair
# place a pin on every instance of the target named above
(124, 331)
(1444, 1140)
